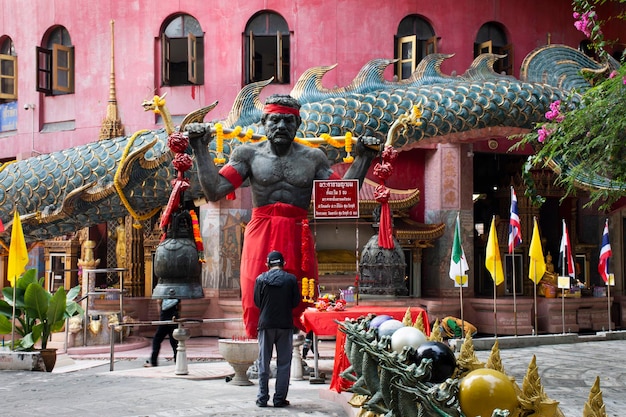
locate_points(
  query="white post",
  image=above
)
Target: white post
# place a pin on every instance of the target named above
(296, 358)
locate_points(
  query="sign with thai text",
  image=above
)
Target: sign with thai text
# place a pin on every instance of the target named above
(8, 116)
(336, 199)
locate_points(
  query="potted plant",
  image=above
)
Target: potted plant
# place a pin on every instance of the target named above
(38, 313)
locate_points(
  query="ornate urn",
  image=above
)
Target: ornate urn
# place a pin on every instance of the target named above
(240, 354)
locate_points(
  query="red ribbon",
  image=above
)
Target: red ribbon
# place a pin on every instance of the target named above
(381, 194)
(306, 245)
(279, 109)
(179, 185)
(385, 234)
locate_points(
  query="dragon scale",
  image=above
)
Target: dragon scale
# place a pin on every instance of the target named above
(62, 192)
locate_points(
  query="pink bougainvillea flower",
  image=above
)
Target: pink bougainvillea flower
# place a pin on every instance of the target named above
(613, 74)
(555, 112)
(584, 22)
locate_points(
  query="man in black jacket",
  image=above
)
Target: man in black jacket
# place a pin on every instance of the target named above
(276, 294)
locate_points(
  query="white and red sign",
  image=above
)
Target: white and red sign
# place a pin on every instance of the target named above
(336, 199)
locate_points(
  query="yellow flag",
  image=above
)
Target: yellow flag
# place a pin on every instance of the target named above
(18, 254)
(493, 262)
(537, 261)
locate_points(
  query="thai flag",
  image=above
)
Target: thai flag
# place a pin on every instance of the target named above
(605, 253)
(565, 254)
(515, 227)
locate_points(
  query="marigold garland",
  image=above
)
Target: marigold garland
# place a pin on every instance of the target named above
(347, 143)
(311, 290)
(247, 137)
(219, 144)
(196, 235)
(332, 142)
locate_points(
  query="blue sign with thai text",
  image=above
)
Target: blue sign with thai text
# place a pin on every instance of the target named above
(8, 116)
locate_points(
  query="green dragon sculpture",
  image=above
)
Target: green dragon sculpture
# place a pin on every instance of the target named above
(65, 191)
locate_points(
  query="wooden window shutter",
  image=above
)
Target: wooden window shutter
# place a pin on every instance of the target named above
(195, 59)
(165, 60)
(407, 51)
(251, 69)
(8, 77)
(44, 71)
(485, 48)
(431, 45)
(279, 57)
(62, 68)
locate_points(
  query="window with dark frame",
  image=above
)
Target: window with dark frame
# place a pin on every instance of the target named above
(182, 52)
(267, 49)
(8, 71)
(55, 64)
(414, 40)
(491, 39)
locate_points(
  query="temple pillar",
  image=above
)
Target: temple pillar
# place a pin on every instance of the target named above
(447, 192)
(222, 227)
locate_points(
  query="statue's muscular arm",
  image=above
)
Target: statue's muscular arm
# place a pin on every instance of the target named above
(214, 185)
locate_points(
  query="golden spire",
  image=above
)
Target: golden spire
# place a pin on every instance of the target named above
(111, 125)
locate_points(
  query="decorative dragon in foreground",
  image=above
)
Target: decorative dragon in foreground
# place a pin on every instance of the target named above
(386, 383)
(65, 191)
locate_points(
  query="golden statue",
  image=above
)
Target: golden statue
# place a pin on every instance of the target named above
(548, 286)
(87, 261)
(119, 234)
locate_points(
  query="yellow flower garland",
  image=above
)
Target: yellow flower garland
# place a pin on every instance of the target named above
(347, 143)
(236, 134)
(219, 144)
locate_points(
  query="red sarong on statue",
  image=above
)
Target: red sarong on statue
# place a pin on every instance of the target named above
(274, 227)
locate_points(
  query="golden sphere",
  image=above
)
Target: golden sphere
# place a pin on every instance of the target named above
(483, 390)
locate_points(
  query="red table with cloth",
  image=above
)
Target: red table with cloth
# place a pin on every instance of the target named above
(322, 323)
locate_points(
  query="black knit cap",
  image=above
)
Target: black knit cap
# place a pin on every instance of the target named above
(275, 258)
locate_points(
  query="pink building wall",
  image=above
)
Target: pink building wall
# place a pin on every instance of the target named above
(349, 33)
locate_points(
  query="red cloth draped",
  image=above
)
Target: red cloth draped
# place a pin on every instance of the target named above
(278, 227)
(385, 234)
(385, 227)
(180, 184)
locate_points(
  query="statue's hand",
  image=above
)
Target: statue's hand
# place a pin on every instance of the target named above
(200, 134)
(367, 146)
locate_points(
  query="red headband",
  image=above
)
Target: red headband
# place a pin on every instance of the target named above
(280, 109)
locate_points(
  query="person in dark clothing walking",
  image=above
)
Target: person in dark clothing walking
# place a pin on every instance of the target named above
(169, 309)
(276, 294)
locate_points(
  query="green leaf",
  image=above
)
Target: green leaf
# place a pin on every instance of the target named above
(27, 278)
(28, 341)
(56, 309)
(5, 325)
(36, 301)
(6, 309)
(73, 293)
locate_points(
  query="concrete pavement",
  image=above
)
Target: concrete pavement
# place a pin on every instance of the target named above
(83, 385)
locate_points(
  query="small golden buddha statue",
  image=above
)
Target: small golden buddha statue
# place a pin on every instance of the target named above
(549, 282)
